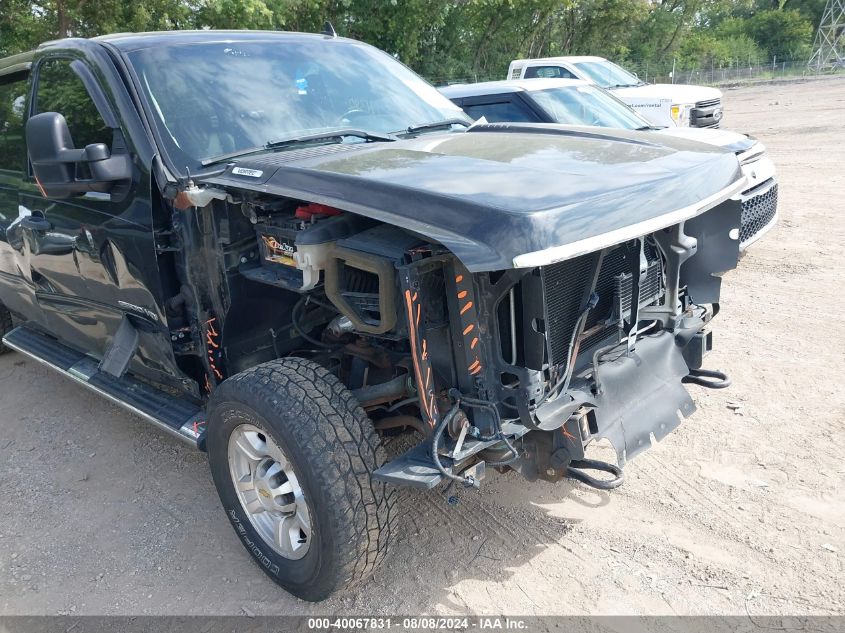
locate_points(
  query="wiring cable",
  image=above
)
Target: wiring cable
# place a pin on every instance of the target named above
(497, 421)
(468, 481)
(563, 381)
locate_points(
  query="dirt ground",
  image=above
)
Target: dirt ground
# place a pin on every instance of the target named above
(742, 510)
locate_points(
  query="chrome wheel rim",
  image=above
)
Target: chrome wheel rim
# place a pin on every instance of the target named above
(269, 491)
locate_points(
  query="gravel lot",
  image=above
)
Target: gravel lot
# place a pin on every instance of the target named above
(742, 510)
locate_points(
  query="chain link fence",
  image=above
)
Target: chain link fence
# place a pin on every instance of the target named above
(736, 72)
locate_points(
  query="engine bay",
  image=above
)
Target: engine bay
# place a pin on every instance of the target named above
(520, 368)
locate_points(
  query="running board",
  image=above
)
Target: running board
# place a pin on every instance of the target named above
(176, 416)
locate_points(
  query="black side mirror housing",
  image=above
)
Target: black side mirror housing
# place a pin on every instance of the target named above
(54, 159)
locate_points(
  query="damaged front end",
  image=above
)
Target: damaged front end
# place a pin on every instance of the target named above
(524, 368)
(501, 323)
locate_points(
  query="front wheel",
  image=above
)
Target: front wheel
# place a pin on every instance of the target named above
(291, 454)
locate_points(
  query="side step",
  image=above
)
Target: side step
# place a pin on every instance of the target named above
(180, 418)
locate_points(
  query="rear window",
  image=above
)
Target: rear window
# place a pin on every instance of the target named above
(548, 72)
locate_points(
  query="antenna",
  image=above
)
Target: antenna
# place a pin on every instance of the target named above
(829, 46)
(328, 29)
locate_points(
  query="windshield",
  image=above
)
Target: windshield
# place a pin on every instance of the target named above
(587, 105)
(607, 74)
(213, 99)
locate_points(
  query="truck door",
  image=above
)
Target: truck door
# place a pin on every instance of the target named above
(93, 257)
(16, 289)
(58, 233)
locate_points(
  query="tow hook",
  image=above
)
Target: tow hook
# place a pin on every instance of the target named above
(709, 378)
(575, 470)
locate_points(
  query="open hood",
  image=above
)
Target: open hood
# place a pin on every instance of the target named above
(504, 196)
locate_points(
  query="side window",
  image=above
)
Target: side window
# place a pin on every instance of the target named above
(501, 112)
(13, 91)
(548, 72)
(61, 90)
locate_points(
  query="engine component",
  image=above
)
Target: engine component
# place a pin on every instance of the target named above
(389, 391)
(402, 421)
(362, 288)
(340, 325)
(295, 248)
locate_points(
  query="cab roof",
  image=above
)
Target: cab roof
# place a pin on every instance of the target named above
(134, 41)
(153, 39)
(572, 59)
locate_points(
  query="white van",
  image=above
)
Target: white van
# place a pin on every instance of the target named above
(662, 104)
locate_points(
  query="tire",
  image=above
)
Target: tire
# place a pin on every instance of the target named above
(332, 449)
(5, 326)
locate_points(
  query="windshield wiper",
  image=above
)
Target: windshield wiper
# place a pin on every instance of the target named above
(331, 134)
(435, 125)
(305, 138)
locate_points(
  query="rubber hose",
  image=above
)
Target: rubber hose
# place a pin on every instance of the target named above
(573, 472)
(294, 319)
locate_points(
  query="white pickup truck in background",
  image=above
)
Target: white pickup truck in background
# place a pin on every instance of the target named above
(663, 104)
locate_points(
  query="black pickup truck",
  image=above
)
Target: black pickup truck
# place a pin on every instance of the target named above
(287, 249)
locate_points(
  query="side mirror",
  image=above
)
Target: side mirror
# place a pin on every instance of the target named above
(55, 161)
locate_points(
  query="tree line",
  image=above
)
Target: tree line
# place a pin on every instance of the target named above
(450, 39)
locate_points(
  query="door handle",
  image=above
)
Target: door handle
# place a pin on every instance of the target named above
(35, 223)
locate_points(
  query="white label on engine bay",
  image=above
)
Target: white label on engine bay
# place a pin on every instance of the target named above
(243, 171)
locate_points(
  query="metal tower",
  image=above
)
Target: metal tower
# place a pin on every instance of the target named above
(829, 47)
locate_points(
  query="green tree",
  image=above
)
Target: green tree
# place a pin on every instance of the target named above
(786, 34)
(468, 39)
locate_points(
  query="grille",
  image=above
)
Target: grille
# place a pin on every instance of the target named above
(757, 212)
(566, 286)
(706, 113)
